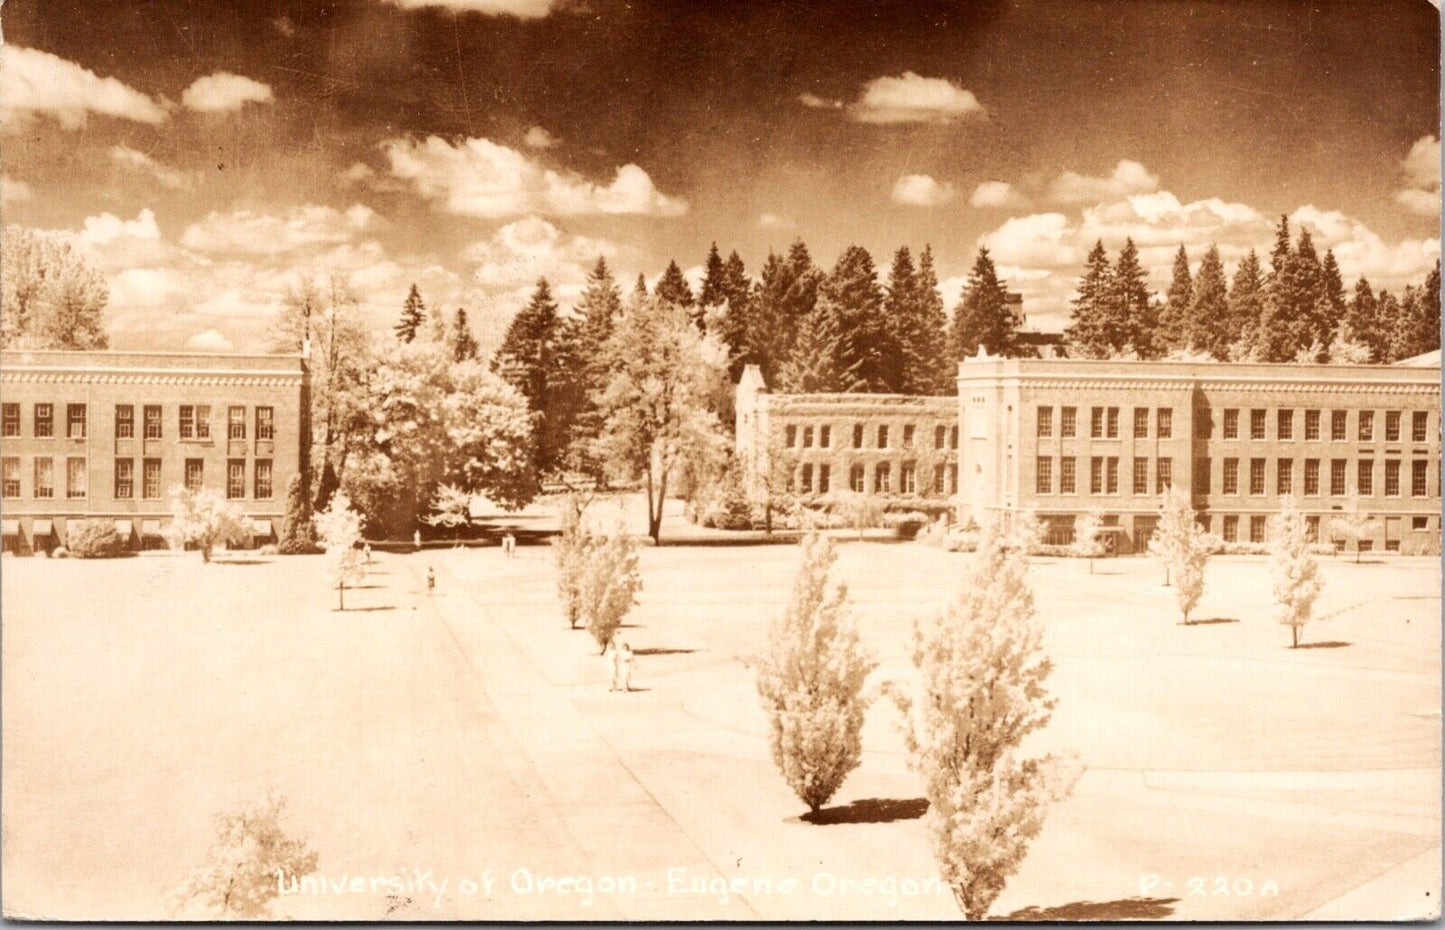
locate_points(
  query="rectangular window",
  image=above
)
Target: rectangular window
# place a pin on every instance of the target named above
(1337, 477)
(1141, 475)
(938, 479)
(1046, 421)
(825, 436)
(1043, 475)
(857, 435)
(823, 478)
(235, 422)
(1256, 528)
(187, 422)
(1312, 477)
(1231, 476)
(855, 478)
(940, 436)
(807, 437)
(1419, 523)
(45, 477)
(1256, 476)
(1418, 480)
(75, 478)
(44, 421)
(75, 421)
(807, 481)
(1367, 426)
(1096, 423)
(1392, 426)
(1419, 425)
(1113, 427)
(195, 474)
(1067, 476)
(883, 437)
(908, 478)
(1164, 423)
(1365, 476)
(1201, 476)
(150, 487)
(1284, 476)
(152, 421)
(790, 434)
(124, 421)
(1284, 424)
(1231, 424)
(1392, 477)
(1257, 423)
(953, 479)
(953, 437)
(1337, 425)
(1141, 422)
(1164, 476)
(1231, 529)
(1068, 422)
(10, 420)
(10, 482)
(908, 436)
(1312, 529)
(883, 478)
(1111, 475)
(124, 479)
(1312, 425)
(1096, 475)
(236, 478)
(203, 421)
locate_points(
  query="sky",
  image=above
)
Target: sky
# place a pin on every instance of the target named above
(206, 154)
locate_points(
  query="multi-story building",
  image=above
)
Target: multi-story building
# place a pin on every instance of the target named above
(107, 435)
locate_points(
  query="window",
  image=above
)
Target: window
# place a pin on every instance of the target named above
(150, 486)
(857, 435)
(1201, 476)
(1365, 476)
(1337, 477)
(1164, 423)
(1204, 424)
(235, 422)
(1392, 426)
(1256, 476)
(1141, 475)
(1367, 425)
(855, 478)
(1046, 421)
(807, 482)
(1067, 477)
(1231, 476)
(1257, 423)
(152, 421)
(953, 479)
(908, 436)
(1231, 424)
(1284, 476)
(1312, 476)
(1312, 425)
(75, 421)
(10, 477)
(807, 437)
(124, 479)
(44, 421)
(1141, 422)
(45, 477)
(953, 437)
(1284, 424)
(938, 479)
(1312, 529)
(908, 478)
(1164, 475)
(1113, 431)
(1419, 523)
(1337, 425)
(823, 477)
(124, 421)
(1419, 422)
(195, 474)
(825, 436)
(1231, 529)
(10, 420)
(1392, 478)
(1418, 482)
(883, 478)
(188, 423)
(75, 478)
(1096, 475)
(789, 442)
(1096, 423)
(940, 436)
(883, 437)
(1068, 417)
(1256, 528)
(1043, 475)
(236, 478)
(1111, 475)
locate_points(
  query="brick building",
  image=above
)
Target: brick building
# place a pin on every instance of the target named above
(108, 434)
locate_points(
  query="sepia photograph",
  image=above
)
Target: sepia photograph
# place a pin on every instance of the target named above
(753, 461)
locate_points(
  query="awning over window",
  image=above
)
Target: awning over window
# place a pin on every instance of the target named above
(261, 528)
(123, 527)
(10, 527)
(41, 528)
(150, 528)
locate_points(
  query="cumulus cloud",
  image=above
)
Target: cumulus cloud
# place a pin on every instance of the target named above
(997, 195)
(133, 160)
(478, 177)
(776, 221)
(920, 190)
(14, 191)
(815, 102)
(38, 83)
(107, 228)
(224, 92)
(912, 98)
(252, 233)
(539, 138)
(516, 255)
(1421, 193)
(210, 340)
(521, 9)
(1128, 177)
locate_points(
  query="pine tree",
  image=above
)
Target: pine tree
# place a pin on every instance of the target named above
(1246, 305)
(1283, 249)
(639, 290)
(1387, 318)
(673, 288)
(821, 361)
(413, 314)
(464, 344)
(1134, 317)
(1174, 321)
(736, 327)
(1413, 331)
(1361, 324)
(983, 317)
(598, 311)
(1208, 329)
(1333, 286)
(856, 299)
(786, 294)
(713, 293)
(1086, 335)
(534, 360)
(928, 364)
(900, 311)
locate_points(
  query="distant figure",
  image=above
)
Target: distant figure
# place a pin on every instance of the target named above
(416, 538)
(625, 660)
(509, 545)
(431, 580)
(366, 550)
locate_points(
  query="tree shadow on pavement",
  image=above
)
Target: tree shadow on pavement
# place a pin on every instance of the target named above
(1211, 621)
(362, 610)
(869, 810)
(1123, 909)
(1328, 644)
(662, 651)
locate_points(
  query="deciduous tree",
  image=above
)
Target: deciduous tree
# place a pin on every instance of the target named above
(1293, 568)
(204, 519)
(50, 297)
(248, 863)
(338, 528)
(1183, 547)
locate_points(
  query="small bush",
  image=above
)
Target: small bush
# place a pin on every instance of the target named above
(906, 524)
(268, 549)
(961, 539)
(59, 552)
(95, 539)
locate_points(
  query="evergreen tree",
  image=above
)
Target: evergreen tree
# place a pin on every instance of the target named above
(1332, 284)
(1246, 305)
(672, 287)
(786, 294)
(1387, 318)
(598, 311)
(1086, 336)
(1174, 322)
(820, 361)
(928, 364)
(1133, 316)
(535, 359)
(1279, 256)
(1209, 314)
(1361, 322)
(413, 314)
(856, 299)
(736, 327)
(1414, 332)
(713, 293)
(639, 290)
(464, 344)
(983, 317)
(900, 311)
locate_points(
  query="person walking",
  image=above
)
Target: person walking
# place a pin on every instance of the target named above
(431, 580)
(509, 545)
(615, 663)
(416, 538)
(626, 660)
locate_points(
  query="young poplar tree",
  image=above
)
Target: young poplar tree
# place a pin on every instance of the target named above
(1354, 522)
(1086, 545)
(607, 585)
(1181, 545)
(811, 680)
(982, 673)
(1294, 569)
(569, 549)
(338, 528)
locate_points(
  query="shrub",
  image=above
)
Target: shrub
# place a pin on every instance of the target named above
(961, 539)
(268, 549)
(59, 552)
(95, 539)
(906, 524)
(607, 585)
(298, 536)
